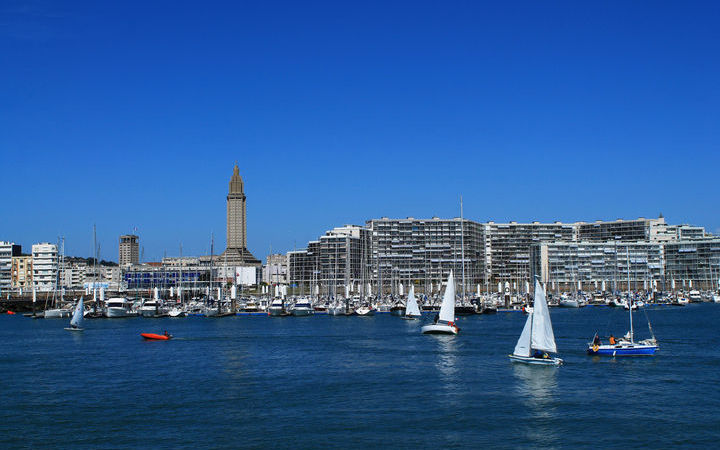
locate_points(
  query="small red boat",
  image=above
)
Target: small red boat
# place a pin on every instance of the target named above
(156, 337)
(11, 313)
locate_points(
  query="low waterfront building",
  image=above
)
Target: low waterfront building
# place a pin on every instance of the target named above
(147, 276)
(45, 266)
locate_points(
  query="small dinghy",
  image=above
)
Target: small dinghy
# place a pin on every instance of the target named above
(537, 340)
(156, 337)
(412, 311)
(444, 321)
(77, 318)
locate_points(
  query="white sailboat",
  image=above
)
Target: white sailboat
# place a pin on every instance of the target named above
(412, 311)
(445, 323)
(537, 339)
(77, 318)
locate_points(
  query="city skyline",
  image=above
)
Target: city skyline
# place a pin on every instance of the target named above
(337, 115)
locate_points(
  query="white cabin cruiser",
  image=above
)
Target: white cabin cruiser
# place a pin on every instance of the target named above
(119, 307)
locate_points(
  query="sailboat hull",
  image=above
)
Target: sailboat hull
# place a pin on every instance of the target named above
(411, 317)
(366, 312)
(622, 350)
(75, 329)
(536, 361)
(438, 328)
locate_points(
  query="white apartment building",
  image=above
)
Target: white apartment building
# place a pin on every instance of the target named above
(7, 251)
(74, 275)
(275, 269)
(45, 266)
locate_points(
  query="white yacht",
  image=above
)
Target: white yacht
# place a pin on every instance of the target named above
(302, 307)
(119, 307)
(277, 307)
(694, 296)
(176, 312)
(151, 308)
(568, 302)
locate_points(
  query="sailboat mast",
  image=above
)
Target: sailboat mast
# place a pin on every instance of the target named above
(532, 319)
(210, 282)
(181, 276)
(462, 248)
(627, 254)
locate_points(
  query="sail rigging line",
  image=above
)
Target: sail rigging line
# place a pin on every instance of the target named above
(652, 334)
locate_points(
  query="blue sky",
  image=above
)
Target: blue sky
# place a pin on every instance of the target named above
(132, 115)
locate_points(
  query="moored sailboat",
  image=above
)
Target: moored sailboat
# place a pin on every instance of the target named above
(537, 339)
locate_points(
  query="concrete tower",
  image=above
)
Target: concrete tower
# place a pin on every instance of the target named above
(236, 211)
(236, 251)
(129, 250)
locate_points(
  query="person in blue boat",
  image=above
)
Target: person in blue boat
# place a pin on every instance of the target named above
(612, 340)
(540, 355)
(596, 340)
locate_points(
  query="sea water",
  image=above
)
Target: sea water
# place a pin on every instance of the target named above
(357, 382)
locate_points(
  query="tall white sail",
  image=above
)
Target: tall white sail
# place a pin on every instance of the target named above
(522, 348)
(77, 317)
(447, 309)
(542, 333)
(411, 309)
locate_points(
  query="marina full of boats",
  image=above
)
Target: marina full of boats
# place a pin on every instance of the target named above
(123, 307)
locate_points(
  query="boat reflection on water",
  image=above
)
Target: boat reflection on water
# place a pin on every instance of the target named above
(536, 387)
(447, 366)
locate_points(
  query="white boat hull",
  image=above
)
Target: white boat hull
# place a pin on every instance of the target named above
(363, 311)
(302, 312)
(337, 311)
(57, 313)
(536, 361)
(569, 304)
(118, 312)
(176, 312)
(276, 310)
(439, 328)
